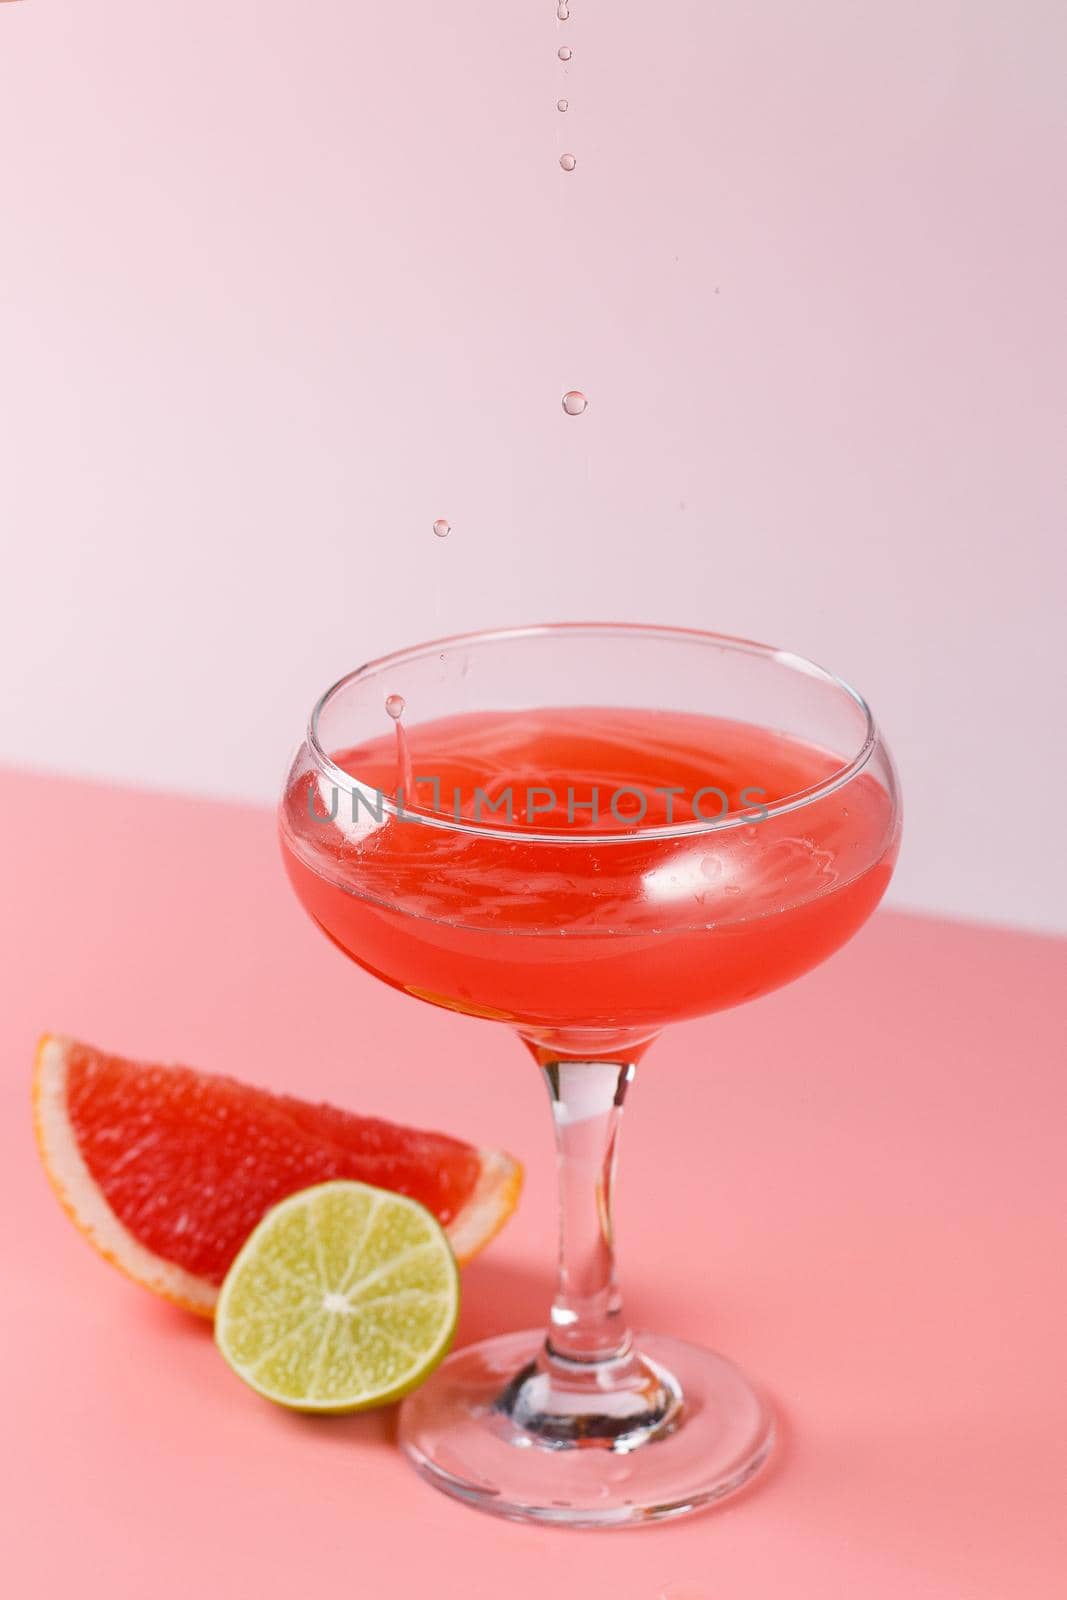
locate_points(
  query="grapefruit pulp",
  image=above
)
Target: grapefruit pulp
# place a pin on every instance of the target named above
(167, 1170)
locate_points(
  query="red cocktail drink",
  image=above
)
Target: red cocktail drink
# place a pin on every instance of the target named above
(602, 927)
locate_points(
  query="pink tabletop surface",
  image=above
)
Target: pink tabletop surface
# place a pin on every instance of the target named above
(855, 1188)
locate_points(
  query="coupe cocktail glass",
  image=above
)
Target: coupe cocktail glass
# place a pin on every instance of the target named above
(588, 831)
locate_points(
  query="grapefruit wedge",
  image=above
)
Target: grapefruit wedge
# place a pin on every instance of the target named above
(167, 1171)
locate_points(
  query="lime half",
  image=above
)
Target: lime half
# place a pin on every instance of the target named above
(344, 1296)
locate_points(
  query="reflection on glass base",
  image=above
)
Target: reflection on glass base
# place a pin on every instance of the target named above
(462, 1432)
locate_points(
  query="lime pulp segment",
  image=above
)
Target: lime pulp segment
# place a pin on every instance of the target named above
(343, 1297)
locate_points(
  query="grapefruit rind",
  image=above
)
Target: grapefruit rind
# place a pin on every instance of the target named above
(82, 1198)
(295, 1320)
(484, 1213)
(495, 1196)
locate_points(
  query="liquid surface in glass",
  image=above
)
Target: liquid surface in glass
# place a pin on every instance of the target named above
(575, 932)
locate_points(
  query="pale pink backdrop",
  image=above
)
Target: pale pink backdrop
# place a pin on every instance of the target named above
(280, 284)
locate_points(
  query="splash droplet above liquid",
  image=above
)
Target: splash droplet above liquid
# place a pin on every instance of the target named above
(394, 704)
(564, 52)
(562, 105)
(442, 528)
(568, 163)
(574, 402)
(563, 11)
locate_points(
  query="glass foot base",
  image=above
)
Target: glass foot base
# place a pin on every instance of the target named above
(463, 1434)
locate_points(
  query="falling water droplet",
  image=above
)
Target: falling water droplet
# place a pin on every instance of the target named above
(568, 163)
(574, 402)
(442, 527)
(564, 52)
(562, 105)
(394, 704)
(563, 11)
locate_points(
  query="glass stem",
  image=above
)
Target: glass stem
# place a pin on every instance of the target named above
(588, 1385)
(587, 1099)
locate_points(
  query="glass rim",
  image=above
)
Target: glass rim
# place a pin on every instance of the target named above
(696, 828)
